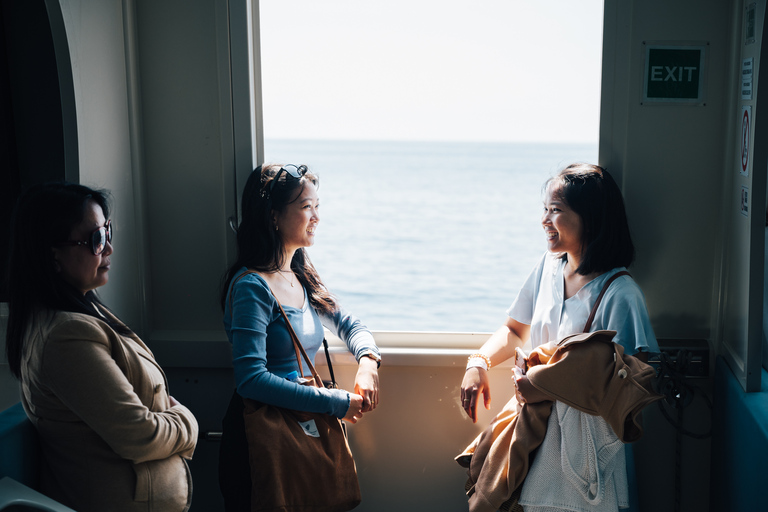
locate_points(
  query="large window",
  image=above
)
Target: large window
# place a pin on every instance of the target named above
(433, 126)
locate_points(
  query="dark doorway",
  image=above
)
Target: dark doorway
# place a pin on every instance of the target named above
(31, 128)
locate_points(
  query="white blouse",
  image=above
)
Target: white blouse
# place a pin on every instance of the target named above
(540, 304)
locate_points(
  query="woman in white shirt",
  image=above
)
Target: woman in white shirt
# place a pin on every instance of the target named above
(588, 241)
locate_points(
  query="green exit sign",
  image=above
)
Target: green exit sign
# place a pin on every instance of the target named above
(674, 74)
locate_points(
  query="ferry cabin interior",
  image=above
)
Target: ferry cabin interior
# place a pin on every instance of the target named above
(160, 102)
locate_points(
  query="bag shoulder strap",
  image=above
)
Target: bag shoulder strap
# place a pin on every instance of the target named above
(328, 360)
(610, 280)
(298, 346)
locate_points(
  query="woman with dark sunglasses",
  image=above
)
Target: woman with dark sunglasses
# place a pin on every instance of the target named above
(112, 437)
(279, 217)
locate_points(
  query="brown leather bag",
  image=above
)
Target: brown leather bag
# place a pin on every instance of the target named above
(300, 461)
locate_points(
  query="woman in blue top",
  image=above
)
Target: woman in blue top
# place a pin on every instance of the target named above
(588, 241)
(279, 218)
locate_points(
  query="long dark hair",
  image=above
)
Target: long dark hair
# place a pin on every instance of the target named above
(44, 215)
(592, 193)
(260, 247)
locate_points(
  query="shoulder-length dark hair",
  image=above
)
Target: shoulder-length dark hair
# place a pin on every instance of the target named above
(45, 215)
(592, 193)
(260, 247)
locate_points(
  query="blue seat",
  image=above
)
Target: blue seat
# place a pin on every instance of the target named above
(739, 443)
(20, 447)
(15, 497)
(20, 465)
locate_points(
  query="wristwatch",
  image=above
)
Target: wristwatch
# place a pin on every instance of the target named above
(373, 355)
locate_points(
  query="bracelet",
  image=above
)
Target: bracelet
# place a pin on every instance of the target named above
(483, 357)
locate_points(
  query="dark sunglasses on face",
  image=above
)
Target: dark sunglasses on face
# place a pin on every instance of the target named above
(97, 241)
(294, 171)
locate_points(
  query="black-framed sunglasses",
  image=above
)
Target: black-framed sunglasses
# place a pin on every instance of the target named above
(294, 171)
(97, 240)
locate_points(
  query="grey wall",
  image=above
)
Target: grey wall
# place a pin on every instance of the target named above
(90, 37)
(670, 158)
(150, 120)
(152, 100)
(96, 37)
(187, 150)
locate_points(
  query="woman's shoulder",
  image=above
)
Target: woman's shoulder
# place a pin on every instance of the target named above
(250, 285)
(623, 288)
(73, 320)
(625, 279)
(68, 326)
(247, 277)
(61, 318)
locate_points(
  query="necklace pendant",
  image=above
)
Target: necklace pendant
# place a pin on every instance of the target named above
(289, 281)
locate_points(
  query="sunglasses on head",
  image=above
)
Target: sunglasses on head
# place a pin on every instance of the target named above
(97, 241)
(294, 171)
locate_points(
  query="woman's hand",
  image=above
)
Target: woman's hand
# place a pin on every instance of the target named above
(525, 392)
(355, 411)
(475, 383)
(499, 347)
(367, 383)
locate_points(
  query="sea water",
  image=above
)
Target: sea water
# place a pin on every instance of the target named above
(428, 236)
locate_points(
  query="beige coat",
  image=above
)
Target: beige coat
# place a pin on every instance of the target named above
(109, 437)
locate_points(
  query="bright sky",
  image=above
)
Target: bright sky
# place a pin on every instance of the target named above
(484, 70)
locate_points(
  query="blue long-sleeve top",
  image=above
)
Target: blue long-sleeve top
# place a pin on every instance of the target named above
(263, 353)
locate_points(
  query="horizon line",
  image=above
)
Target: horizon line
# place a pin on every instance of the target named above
(447, 141)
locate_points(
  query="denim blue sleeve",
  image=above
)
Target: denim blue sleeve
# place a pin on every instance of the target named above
(253, 315)
(351, 330)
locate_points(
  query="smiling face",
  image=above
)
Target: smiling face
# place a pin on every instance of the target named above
(296, 224)
(562, 226)
(76, 264)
